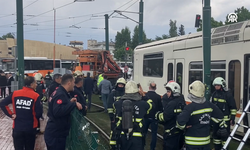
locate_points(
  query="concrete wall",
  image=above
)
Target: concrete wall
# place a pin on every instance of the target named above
(38, 49)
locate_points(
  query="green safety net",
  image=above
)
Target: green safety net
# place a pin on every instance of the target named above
(81, 136)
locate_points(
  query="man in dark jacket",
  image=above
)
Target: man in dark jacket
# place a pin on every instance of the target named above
(88, 86)
(57, 78)
(150, 118)
(9, 80)
(26, 108)
(78, 94)
(60, 107)
(48, 79)
(3, 83)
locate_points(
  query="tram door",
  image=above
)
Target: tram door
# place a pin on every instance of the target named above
(175, 71)
(246, 97)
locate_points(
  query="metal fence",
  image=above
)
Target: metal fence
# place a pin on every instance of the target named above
(81, 136)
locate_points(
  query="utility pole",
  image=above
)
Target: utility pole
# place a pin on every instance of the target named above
(206, 29)
(20, 48)
(141, 23)
(54, 51)
(107, 31)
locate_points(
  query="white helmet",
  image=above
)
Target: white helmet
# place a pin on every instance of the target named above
(38, 76)
(197, 88)
(175, 87)
(121, 80)
(219, 81)
(78, 73)
(131, 87)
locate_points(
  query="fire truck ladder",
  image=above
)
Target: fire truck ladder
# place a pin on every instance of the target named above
(244, 139)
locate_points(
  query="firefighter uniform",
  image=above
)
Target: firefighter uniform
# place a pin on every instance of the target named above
(27, 108)
(114, 96)
(173, 137)
(196, 118)
(39, 89)
(58, 125)
(120, 139)
(81, 98)
(223, 99)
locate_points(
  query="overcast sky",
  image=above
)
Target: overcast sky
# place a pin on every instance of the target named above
(86, 15)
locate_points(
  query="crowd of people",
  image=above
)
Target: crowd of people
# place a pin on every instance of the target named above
(5, 83)
(130, 109)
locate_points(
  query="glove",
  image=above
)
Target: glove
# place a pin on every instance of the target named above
(222, 133)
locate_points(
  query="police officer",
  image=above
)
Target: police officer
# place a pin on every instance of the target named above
(26, 109)
(226, 103)
(115, 96)
(196, 119)
(130, 123)
(60, 107)
(78, 93)
(57, 78)
(173, 137)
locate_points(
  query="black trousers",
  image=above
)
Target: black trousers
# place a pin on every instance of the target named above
(24, 140)
(53, 143)
(134, 143)
(3, 92)
(173, 142)
(218, 141)
(202, 147)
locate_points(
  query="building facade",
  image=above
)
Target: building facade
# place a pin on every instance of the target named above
(94, 45)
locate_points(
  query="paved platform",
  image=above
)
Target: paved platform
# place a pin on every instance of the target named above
(6, 141)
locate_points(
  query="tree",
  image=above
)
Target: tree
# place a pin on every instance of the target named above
(173, 28)
(242, 13)
(8, 35)
(135, 38)
(214, 24)
(120, 39)
(181, 30)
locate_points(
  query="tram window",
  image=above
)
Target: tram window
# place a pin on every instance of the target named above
(234, 75)
(153, 65)
(179, 74)
(195, 75)
(170, 71)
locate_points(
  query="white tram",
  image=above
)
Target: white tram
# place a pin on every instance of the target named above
(181, 59)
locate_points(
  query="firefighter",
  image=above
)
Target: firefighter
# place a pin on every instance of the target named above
(26, 109)
(78, 74)
(115, 96)
(48, 79)
(173, 137)
(196, 119)
(39, 89)
(130, 110)
(226, 103)
(60, 107)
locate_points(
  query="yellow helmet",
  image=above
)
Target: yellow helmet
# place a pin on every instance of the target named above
(121, 80)
(38, 76)
(131, 87)
(78, 73)
(197, 88)
(219, 81)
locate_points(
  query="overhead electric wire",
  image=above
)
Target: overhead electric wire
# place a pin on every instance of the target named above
(23, 8)
(30, 4)
(49, 11)
(128, 7)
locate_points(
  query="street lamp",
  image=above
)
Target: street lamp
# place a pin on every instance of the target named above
(54, 55)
